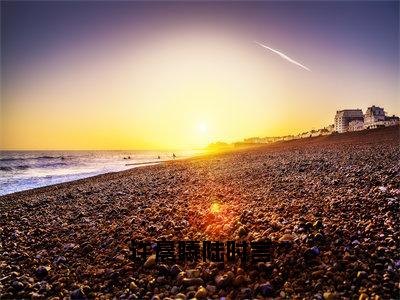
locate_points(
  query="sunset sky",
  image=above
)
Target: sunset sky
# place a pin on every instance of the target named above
(175, 75)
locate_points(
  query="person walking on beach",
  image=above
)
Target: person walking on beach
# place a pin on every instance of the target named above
(173, 155)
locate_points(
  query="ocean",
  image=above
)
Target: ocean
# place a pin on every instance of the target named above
(24, 170)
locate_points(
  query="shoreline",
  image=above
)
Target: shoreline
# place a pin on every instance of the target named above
(37, 189)
(133, 166)
(308, 140)
(328, 212)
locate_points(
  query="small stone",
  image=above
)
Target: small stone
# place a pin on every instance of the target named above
(181, 276)
(264, 267)
(315, 250)
(194, 273)
(242, 231)
(381, 251)
(246, 293)
(238, 281)
(382, 189)
(35, 296)
(77, 294)
(174, 290)
(41, 272)
(397, 264)
(318, 224)
(286, 238)
(318, 237)
(201, 293)
(120, 257)
(317, 273)
(266, 290)
(363, 297)
(163, 270)
(224, 280)
(161, 279)
(211, 289)
(192, 281)
(18, 286)
(60, 260)
(330, 296)
(311, 253)
(132, 286)
(150, 262)
(180, 296)
(87, 248)
(175, 270)
(69, 246)
(361, 274)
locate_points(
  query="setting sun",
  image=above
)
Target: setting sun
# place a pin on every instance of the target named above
(202, 127)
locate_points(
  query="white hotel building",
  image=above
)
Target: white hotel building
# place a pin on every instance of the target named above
(344, 117)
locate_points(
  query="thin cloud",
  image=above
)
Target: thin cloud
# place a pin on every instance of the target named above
(284, 56)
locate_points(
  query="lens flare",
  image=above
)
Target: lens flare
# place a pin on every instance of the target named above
(215, 207)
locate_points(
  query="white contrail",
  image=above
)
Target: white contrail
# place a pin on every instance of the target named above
(284, 56)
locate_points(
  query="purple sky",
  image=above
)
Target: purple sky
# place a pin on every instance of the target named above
(33, 30)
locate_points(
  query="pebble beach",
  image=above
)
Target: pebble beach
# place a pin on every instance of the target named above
(329, 205)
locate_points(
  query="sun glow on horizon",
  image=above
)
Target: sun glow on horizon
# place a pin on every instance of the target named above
(142, 102)
(202, 127)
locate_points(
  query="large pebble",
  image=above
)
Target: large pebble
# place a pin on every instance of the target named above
(150, 262)
(201, 293)
(192, 281)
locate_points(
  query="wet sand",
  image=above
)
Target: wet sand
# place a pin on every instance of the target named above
(329, 205)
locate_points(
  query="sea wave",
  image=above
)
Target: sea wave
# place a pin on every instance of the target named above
(6, 169)
(10, 169)
(52, 165)
(11, 158)
(22, 167)
(25, 167)
(5, 159)
(49, 157)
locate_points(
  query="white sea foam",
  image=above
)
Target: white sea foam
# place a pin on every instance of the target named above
(23, 170)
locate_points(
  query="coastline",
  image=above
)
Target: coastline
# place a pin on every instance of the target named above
(80, 230)
(53, 176)
(308, 141)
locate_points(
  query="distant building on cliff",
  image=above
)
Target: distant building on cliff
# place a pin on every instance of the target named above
(373, 115)
(376, 117)
(392, 121)
(356, 125)
(344, 117)
(354, 120)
